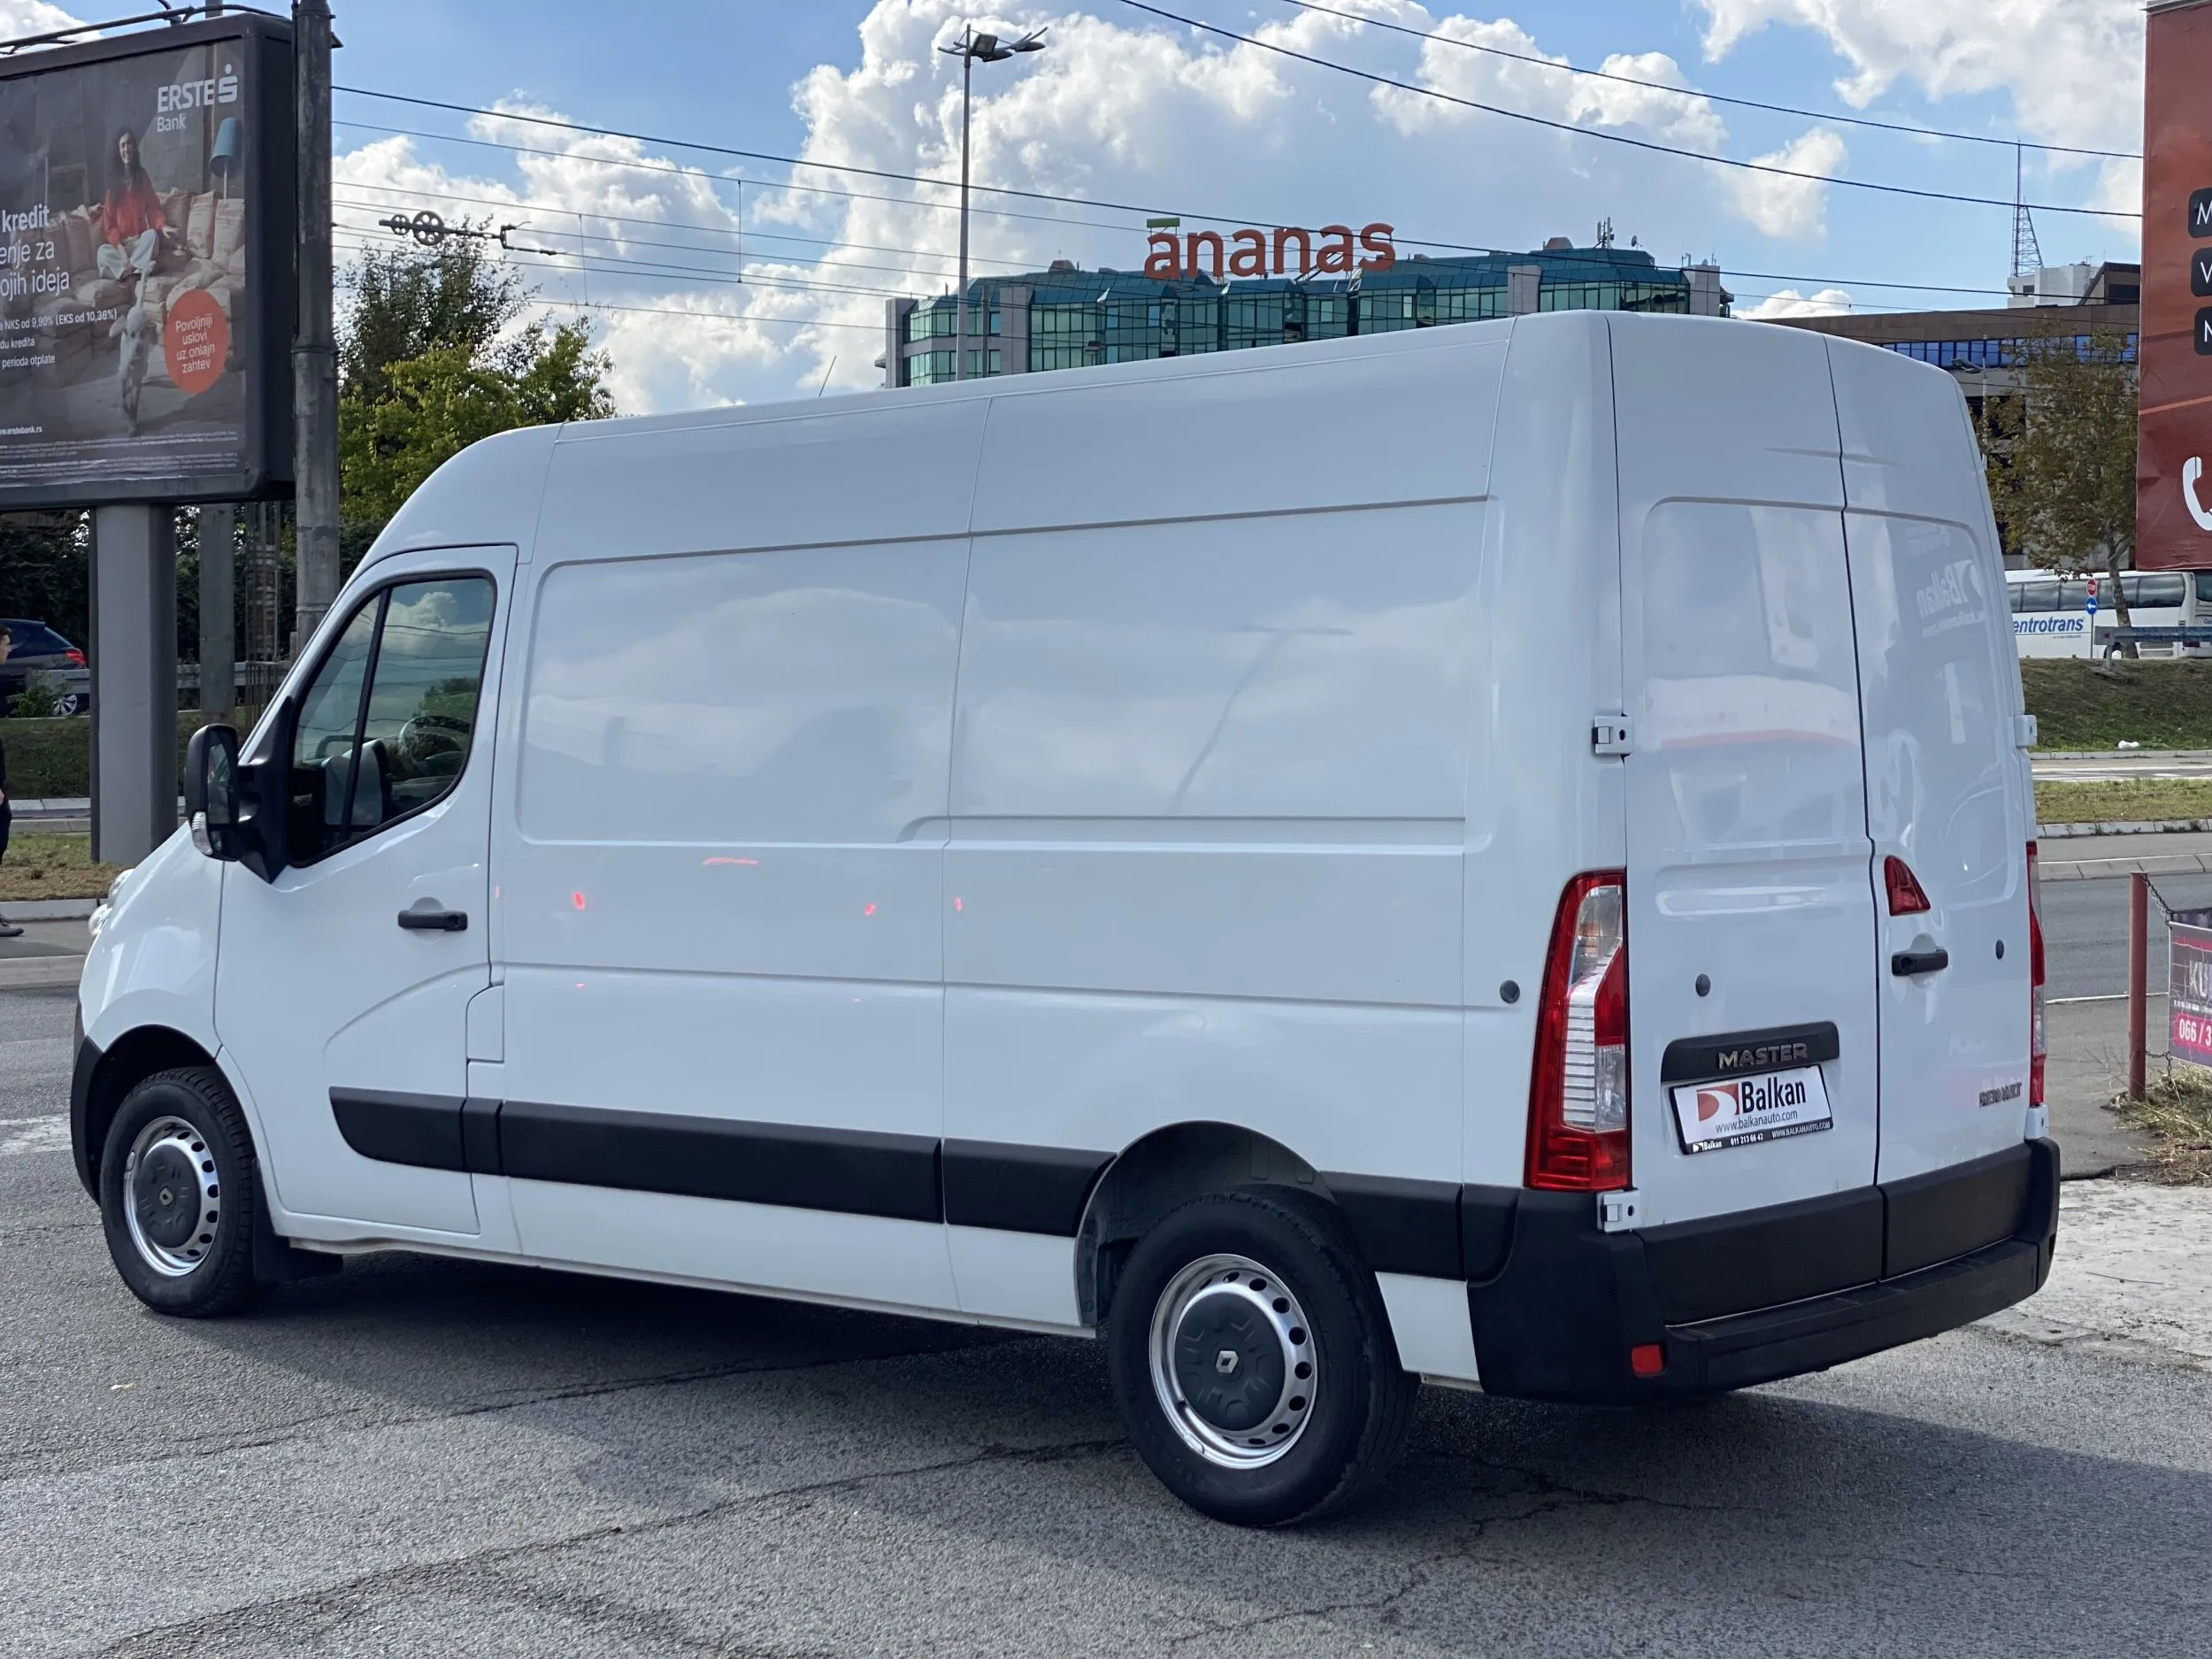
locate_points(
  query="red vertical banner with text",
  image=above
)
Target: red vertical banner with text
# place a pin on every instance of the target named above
(2173, 493)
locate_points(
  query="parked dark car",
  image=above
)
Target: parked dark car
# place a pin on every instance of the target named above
(35, 648)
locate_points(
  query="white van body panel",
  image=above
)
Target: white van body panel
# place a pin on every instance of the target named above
(152, 961)
(487, 494)
(1018, 774)
(1539, 806)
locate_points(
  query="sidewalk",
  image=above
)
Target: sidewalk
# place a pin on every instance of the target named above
(2087, 1066)
(50, 952)
(2131, 1277)
(2081, 858)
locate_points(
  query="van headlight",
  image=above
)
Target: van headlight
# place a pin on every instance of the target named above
(115, 891)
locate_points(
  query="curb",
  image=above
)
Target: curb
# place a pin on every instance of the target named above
(34, 973)
(2120, 754)
(2124, 827)
(47, 909)
(2157, 864)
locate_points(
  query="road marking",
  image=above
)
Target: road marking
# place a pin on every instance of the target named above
(40, 1134)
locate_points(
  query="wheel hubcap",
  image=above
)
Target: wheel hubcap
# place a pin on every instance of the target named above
(1233, 1361)
(171, 1197)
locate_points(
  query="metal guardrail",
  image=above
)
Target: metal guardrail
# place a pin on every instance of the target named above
(2113, 639)
(255, 682)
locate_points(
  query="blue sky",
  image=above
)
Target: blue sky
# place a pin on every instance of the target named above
(1126, 106)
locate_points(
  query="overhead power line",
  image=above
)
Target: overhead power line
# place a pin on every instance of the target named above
(1006, 213)
(1648, 144)
(1714, 97)
(770, 184)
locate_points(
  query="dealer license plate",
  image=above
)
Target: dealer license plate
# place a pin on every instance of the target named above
(1768, 1106)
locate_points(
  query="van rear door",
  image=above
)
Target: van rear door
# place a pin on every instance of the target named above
(1946, 787)
(1751, 926)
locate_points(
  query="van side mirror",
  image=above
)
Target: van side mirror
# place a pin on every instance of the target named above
(211, 791)
(236, 806)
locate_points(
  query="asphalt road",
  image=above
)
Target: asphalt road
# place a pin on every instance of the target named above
(423, 1456)
(2085, 931)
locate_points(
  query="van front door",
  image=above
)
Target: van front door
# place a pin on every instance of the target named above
(342, 986)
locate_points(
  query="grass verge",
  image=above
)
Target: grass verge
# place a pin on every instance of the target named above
(2177, 1114)
(2132, 799)
(52, 867)
(2082, 705)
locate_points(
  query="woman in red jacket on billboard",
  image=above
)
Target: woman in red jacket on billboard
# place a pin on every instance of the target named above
(131, 220)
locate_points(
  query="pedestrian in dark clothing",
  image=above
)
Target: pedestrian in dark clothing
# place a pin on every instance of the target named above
(8, 930)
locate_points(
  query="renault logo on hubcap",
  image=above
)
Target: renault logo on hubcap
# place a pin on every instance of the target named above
(1226, 1362)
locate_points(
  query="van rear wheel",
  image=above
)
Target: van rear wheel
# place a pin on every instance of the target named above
(1252, 1359)
(179, 1195)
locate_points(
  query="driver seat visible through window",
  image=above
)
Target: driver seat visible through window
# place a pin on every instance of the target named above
(385, 729)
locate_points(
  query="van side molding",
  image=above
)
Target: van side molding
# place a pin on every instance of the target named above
(1427, 1228)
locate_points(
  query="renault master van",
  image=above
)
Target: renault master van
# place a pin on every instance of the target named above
(1500, 856)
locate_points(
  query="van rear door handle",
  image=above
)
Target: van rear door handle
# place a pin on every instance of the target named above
(1907, 964)
(425, 916)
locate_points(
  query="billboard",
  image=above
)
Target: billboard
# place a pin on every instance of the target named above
(2189, 984)
(147, 219)
(2173, 493)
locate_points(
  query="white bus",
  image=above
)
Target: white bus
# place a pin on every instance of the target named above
(2050, 611)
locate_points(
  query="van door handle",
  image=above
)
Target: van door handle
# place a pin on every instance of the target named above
(1908, 963)
(425, 916)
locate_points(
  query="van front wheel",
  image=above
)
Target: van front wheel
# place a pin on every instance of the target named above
(179, 1195)
(1252, 1359)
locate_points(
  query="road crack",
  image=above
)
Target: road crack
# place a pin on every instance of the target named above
(223, 1629)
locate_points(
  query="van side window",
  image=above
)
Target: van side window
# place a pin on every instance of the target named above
(385, 726)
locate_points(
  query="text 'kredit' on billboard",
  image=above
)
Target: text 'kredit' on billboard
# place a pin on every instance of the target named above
(147, 229)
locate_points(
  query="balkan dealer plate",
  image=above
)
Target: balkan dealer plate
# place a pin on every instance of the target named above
(1768, 1106)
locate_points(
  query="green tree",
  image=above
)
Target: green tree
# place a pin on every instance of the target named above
(443, 401)
(42, 571)
(403, 302)
(432, 360)
(2062, 457)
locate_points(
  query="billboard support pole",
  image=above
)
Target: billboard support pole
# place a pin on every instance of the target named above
(219, 617)
(314, 349)
(134, 681)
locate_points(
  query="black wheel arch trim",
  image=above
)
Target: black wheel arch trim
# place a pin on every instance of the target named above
(81, 1153)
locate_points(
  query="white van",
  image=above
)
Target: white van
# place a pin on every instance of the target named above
(1155, 853)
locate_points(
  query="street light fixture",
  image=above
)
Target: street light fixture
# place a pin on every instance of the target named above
(973, 48)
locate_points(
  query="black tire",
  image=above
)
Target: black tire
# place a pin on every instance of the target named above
(1339, 1442)
(199, 1188)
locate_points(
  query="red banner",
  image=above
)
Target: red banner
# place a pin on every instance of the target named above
(2173, 491)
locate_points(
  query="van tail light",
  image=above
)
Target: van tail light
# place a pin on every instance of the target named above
(75, 657)
(1577, 1107)
(2035, 981)
(1904, 895)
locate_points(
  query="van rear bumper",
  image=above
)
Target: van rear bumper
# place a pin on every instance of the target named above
(1855, 1273)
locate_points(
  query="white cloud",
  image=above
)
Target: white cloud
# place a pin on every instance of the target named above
(1793, 210)
(1580, 100)
(1789, 303)
(19, 17)
(2072, 69)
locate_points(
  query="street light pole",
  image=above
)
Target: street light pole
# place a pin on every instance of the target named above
(990, 50)
(960, 328)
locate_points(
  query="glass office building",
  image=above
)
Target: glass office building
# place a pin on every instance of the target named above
(1066, 317)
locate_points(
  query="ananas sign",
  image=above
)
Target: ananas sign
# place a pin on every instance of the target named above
(1285, 250)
